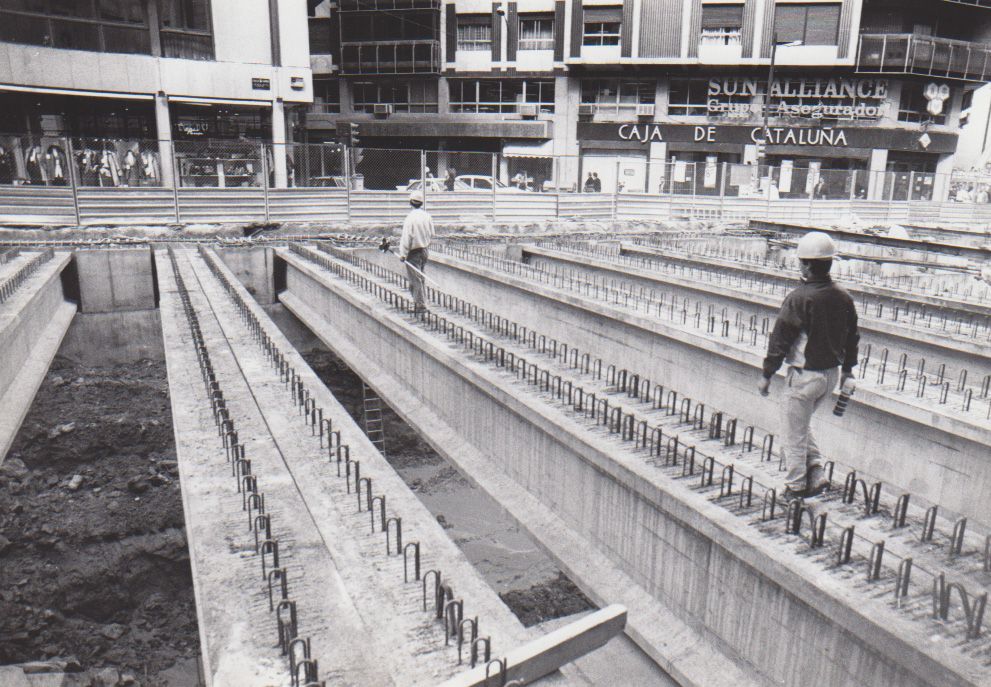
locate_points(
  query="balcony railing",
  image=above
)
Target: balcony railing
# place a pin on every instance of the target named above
(973, 3)
(392, 57)
(365, 5)
(897, 53)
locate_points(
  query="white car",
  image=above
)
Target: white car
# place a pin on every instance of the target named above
(480, 182)
(434, 185)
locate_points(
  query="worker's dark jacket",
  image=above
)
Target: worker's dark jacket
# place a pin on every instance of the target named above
(815, 330)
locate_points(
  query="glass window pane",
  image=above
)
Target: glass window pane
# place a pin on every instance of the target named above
(72, 8)
(789, 23)
(127, 40)
(822, 25)
(18, 28)
(25, 5)
(75, 35)
(123, 10)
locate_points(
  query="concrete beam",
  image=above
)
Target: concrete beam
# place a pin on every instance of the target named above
(545, 655)
(743, 595)
(33, 323)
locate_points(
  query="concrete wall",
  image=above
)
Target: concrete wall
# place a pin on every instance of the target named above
(691, 556)
(118, 279)
(114, 338)
(253, 268)
(921, 452)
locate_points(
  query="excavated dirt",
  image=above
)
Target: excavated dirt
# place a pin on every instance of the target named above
(526, 579)
(93, 557)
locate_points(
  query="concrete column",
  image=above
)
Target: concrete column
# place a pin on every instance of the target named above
(443, 96)
(166, 151)
(279, 143)
(876, 168)
(941, 186)
(567, 93)
(656, 167)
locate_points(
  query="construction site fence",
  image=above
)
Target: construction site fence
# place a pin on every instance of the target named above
(88, 181)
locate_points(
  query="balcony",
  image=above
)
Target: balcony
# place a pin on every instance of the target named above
(897, 53)
(367, 5)
(391, 57)
(972, 3)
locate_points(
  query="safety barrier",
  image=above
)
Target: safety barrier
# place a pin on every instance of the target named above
(738, 491)
(39, 205)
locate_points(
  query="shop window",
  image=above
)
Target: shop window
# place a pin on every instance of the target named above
(95, 25)
(809, 24)
(536, 32)
(500, 96)
(617, 96)
(185, 29)
(721, 24)
(326, 95)
(475, 32)
(912, 107)
(413, 95)
(601, 25)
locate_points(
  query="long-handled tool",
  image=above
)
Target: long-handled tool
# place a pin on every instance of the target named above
(386, 248)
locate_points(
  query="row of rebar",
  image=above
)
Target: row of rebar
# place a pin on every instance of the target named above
(928, 286)
(631, 428)
(905, 312)
(23, 273)
(303, 668)
(438, 595)
(752, 332)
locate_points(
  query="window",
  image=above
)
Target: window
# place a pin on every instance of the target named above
(475, 32)
(812, 24)
(913, 104)
(321, 27)
(721, 24)
(602, 25)
(536, 32)
(413, 95)
(500, 96)
(326, 95)
(688, 97)
(617, 96)
(185, 29)
(97, 25)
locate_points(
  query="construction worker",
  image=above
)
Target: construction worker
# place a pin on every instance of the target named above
(418, 232)
(816, 336)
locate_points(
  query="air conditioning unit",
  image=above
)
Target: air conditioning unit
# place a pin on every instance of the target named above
(586, 110)
(645, 110)
(528, 110)
(383, 109)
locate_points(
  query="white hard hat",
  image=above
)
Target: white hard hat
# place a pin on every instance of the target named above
(816, 245)
(416, 197)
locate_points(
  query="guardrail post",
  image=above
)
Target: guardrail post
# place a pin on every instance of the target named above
(722, 191)
(265, 173)
(495, 175)
(174, 162)
(346, 152)
(615, 194)
(73, 178)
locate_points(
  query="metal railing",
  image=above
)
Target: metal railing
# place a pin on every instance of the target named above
(910, 53)
(391, 57)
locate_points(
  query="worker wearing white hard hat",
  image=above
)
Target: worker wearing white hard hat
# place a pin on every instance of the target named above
(418, 232)
(815, 336)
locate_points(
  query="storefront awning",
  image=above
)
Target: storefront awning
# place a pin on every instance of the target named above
(542, 149)
(69, 91)
(218, 101)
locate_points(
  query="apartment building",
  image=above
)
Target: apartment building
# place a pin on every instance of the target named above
(618, 88)
(138, 92)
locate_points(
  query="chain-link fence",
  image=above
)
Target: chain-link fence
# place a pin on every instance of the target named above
(471, 184)
(222, 163)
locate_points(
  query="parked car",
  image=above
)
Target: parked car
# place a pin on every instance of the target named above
(481, 182)
(433, 186)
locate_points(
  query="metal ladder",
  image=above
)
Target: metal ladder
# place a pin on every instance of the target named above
(374, 425)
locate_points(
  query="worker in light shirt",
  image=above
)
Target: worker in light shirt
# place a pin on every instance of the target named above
(418, 232)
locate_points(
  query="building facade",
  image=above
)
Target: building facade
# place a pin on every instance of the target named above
(147, 92)
(865, 95)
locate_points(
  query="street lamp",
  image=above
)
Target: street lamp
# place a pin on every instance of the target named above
(770, 81)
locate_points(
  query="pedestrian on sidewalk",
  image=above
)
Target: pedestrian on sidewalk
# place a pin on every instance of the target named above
(418, 232)
(816, 336)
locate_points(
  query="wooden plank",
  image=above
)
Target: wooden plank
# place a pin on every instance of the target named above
(545, 655)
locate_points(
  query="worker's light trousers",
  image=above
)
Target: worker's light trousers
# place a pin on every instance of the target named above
(805, 390)
(417, 258)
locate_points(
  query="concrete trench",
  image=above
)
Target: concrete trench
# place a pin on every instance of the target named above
(521, 513)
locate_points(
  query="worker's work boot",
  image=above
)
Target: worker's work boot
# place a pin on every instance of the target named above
(818, 483)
